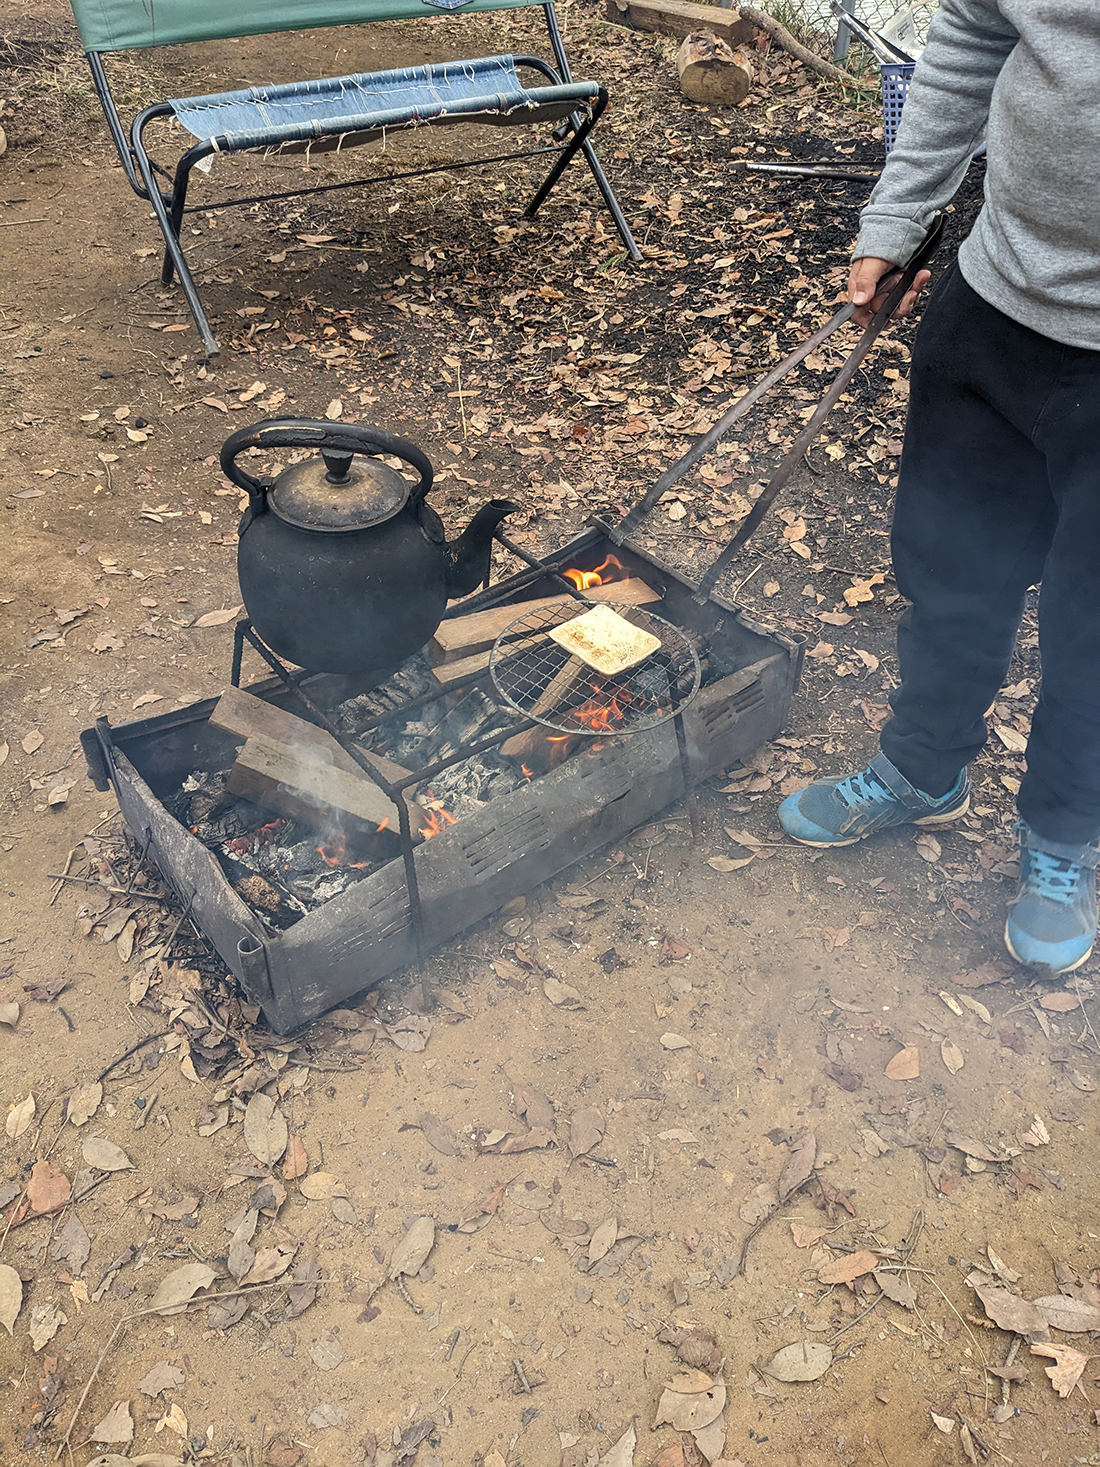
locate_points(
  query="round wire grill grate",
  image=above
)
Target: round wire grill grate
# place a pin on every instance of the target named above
(541, 680)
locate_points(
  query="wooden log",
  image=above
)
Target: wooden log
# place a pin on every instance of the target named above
(244, 714)
(464, 635)
(298, 781)
(680, 18)
(710, 71)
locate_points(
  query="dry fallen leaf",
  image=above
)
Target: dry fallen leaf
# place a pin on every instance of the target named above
(861, 590)
(798, 1166)
(270, 1263)
(896, 1288)
(806, 1360)
(561, 993)
(84, 1102)
(585, 1130)
(805, 1236)
(48, 1188)
(847, 1267)
(411, 1253)
(674, 1041)
(1074, 1316)
(759, 1204)
(692, 1411)
(218, 618)
(116, 1426)
(162, 1377)
(1066, 1371)
(45, 1321)
(72, 1245)
(951, 1055)
(9, 1014)
(322, 1186)
(1009, 1311)
(20, 1117)
(265, 1129)
(11, 1296)
(621, 1454)
(104, 1155)
(603, 1239)
(296, 1161)
(1060, 1002)
(1037, 1135)
(178, 1287)
(905, 1065)
(928, 846)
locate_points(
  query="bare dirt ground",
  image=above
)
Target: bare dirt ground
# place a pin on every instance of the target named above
(793, 981)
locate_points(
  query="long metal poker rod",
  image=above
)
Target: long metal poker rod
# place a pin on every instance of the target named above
(793, 456)
(702, 446)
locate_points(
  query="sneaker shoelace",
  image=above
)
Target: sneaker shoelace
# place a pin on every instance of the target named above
(1053, 877)
(864, 788)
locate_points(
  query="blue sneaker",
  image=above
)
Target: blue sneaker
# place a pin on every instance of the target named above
(1052, 918)
(839, 812)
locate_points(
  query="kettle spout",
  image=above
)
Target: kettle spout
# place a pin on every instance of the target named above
(468, 556)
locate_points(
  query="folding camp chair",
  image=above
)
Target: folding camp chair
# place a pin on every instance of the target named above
(334, 112)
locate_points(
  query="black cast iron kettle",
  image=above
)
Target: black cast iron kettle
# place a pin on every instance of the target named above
(343, 565)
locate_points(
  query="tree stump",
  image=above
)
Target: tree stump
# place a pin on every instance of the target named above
(711, 72)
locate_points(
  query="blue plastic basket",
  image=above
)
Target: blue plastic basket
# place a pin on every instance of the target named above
(896, 81)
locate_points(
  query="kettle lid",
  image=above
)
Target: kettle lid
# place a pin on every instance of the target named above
(338, 492)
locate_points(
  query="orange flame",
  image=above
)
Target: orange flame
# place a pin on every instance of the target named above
(584, 580)
(601, 718)
(525, 771)
(334, 853)
(559, 749)
(438, 819)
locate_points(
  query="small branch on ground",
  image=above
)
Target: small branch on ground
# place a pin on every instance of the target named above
(782, 37)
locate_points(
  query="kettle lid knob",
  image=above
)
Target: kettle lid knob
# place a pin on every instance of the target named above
(337, 462)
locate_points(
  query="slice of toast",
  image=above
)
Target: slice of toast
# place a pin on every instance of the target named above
(604, 640)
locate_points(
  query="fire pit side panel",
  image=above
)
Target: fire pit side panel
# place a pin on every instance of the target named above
(196, 878)
(734, 716)
(472, 869)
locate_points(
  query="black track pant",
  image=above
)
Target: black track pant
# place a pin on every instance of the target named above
(999, 488)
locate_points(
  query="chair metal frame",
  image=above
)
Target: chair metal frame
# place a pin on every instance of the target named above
(169, 203)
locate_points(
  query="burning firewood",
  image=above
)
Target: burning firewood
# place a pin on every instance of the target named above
(464, 636)
(299, 782)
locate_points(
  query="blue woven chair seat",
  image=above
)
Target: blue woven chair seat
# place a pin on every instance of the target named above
(372, 102)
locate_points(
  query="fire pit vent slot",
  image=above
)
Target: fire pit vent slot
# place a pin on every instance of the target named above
(613, 781)
(515, 836)
(389, 912)
(720, 717)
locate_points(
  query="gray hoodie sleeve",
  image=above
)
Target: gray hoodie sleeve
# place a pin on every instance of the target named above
(943, 122)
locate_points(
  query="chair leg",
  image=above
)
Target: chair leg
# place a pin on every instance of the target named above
(613, 206)
(580, 143)
(614, 209)
(174, 259)
(175, 219)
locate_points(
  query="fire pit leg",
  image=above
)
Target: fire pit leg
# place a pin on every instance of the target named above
(689, 781)
(416, 912)
(240, 629)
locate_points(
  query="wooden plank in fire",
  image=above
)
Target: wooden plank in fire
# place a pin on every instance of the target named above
(463, 636)
(247, 716)
(298, 781)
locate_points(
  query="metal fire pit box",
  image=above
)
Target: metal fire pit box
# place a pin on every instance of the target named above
(472, 868)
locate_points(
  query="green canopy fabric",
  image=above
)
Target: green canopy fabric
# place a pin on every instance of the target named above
(127, 25)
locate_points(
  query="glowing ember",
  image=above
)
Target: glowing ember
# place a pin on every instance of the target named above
(583, 580)
(438, 819)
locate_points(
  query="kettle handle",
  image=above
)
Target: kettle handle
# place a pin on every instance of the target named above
(311, 433)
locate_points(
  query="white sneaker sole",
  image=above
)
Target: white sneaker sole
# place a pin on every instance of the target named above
(1054, 972)
(829, 845)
